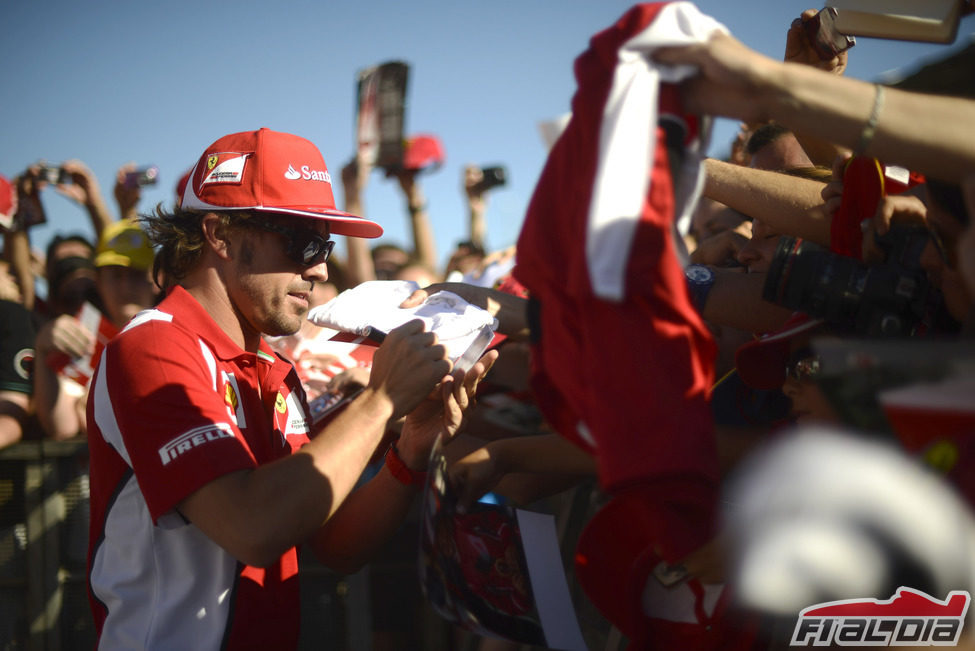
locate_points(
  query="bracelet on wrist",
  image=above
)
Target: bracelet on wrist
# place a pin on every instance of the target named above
(870, 128)
(403, 473)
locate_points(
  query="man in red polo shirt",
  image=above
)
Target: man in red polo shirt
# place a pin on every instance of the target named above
(205, 472)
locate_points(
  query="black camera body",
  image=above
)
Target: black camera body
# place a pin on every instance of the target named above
(141, 177)
(53, 175)
(893, 298)
(491, 177)
(823, 35)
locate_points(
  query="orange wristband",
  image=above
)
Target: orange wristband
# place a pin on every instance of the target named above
(403, 473)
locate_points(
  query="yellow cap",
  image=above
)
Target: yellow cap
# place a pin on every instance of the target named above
(124, 244)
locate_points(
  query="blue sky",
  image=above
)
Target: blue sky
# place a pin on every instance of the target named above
(156, 82)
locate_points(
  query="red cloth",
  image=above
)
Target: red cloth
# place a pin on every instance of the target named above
(626, 379)
(866, 182)
(636, 372)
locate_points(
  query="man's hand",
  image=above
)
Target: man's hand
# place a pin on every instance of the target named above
(442, 413)
(83, 188)
(355, 177)
(407, 366)
(475, 474)
(730, 80)
(904, 209)
(66, 335)
(126, 196)
(832, 192)
(508, 309)
(798, 48)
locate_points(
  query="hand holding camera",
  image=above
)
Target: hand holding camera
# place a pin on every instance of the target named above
(812, 40)
(78, 183)
(129, 181)
(478, 180)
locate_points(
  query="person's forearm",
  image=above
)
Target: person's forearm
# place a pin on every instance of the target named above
(17, 246)
(423, 242)
(98, 212)
(13, 415)
(366, 520)
(478, 226)
(359, 261)
(243, 511)
(543, 453)
(926, 133)
(735, 300)
(787, 204)
(56, 409)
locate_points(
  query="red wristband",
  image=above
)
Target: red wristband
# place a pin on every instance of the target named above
(403, 473)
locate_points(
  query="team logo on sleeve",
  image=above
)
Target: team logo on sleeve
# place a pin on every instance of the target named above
(231, 396)
(294, 416)
(909, 618)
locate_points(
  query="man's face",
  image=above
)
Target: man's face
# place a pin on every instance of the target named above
(711, 217)
(758, 253)
(271, 293)
(124, 292)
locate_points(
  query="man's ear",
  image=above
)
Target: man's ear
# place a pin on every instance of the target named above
(216, 235)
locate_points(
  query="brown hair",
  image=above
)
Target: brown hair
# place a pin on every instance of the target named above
(178, 239)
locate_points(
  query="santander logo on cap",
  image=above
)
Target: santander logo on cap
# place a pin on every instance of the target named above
(307, 174)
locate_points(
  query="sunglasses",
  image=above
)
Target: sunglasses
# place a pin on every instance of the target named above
(305, 247)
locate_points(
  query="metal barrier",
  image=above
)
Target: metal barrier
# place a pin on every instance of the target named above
(44, 515)
(43, 543)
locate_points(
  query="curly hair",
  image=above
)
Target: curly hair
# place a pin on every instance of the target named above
(178, 239)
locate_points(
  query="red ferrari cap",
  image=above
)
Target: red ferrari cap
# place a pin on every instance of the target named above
(270, 171)
(8, 201)
(423, 151)
(762, 363)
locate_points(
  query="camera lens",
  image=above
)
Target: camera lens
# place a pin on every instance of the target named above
(883, 300)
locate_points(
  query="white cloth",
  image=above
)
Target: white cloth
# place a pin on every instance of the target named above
(376, 304)
(627, 139)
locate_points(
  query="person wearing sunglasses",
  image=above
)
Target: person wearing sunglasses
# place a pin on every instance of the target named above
(205, 470)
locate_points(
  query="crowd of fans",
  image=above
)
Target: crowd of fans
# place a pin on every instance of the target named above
(842, 215)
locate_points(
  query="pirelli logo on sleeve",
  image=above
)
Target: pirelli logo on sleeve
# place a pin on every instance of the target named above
(193, 439)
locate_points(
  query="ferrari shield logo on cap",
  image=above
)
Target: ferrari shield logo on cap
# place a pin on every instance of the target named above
(225, 168)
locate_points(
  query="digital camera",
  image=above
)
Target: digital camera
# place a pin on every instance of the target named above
(893, 298)
(53, 175)
(491, 177)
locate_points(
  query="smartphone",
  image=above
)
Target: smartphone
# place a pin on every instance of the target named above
(825, 38)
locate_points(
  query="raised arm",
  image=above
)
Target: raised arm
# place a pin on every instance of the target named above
(85, 191)
(799, 50)
(476, 204)
(355, 176)
(924, 133)
(424, 247)
(788, 204)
